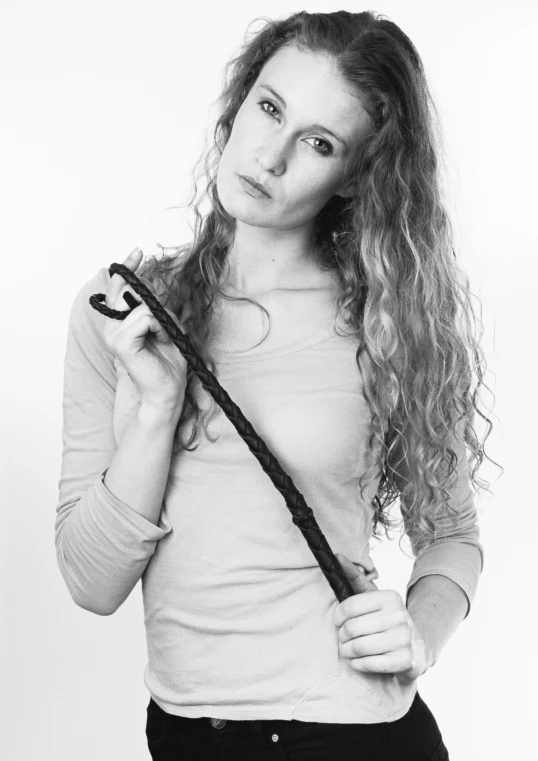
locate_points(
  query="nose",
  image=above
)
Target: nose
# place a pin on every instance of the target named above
(271, 155)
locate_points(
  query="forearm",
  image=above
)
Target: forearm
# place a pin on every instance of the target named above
(110, 532)
(138, 473)
(437, 606)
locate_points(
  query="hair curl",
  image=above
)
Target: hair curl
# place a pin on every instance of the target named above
(406, 298)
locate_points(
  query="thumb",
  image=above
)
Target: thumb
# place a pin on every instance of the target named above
(175, 319)
(163, 336)
(356, 575)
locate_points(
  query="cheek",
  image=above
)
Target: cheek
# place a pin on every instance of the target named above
(242, 133)
(227, 164)
(227, 157)
(312, 192)
(234, 151)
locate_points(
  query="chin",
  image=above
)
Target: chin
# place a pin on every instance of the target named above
(240, 206)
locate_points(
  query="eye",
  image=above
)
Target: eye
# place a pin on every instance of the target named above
(328, 147)
(326, 151)
(261, 104)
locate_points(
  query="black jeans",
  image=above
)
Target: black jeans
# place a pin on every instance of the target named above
(413, 737)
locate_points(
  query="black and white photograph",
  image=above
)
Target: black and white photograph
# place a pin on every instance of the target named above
(269, 376)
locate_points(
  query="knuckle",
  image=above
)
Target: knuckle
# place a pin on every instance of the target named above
(347, 629)
(146, 318)
(393, 600)
(402, 617)
(354, 649)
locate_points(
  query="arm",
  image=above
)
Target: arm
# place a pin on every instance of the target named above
(437, 606)
(445, 574)
(106, 529)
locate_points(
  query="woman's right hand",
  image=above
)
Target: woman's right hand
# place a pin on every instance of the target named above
(152, 360)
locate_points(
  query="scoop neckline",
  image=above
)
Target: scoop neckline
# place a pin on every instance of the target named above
(227, 357)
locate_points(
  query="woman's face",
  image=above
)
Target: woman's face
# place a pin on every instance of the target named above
(282, 139)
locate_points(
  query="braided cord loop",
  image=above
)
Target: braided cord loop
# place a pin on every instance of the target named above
(302, 514)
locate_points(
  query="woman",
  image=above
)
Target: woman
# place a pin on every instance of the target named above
(325, 212)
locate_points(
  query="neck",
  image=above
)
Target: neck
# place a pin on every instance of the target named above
(262, 259)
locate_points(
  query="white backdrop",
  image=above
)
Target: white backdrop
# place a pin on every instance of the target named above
(104, 110)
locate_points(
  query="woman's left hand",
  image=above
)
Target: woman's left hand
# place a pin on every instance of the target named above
(377, 634)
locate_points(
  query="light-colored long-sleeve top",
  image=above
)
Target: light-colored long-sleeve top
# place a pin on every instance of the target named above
(238, 614)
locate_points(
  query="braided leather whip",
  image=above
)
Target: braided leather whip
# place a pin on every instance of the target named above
(302, 514)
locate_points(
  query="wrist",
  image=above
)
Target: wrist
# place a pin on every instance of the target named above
(159, 414)
(423, 658)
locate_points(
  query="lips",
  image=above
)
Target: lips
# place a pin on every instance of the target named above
(257, 185)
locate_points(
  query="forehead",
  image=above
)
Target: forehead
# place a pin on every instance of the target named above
(314, 90)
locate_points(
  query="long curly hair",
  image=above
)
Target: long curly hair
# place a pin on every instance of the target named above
(406, 298)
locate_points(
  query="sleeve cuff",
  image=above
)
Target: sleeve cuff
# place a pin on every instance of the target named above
(130, 518)
(464, 569)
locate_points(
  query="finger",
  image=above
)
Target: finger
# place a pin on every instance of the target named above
(372, 644)
(373, 574)
(372, 623)
(138, 326)
(387, 663)
(356, 575)
(117, 285)
(175, 319)
(163, 336)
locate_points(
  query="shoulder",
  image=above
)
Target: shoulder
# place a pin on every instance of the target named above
(97, 283)
(83, 317)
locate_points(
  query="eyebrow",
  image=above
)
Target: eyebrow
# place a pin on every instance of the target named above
(313, 126)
